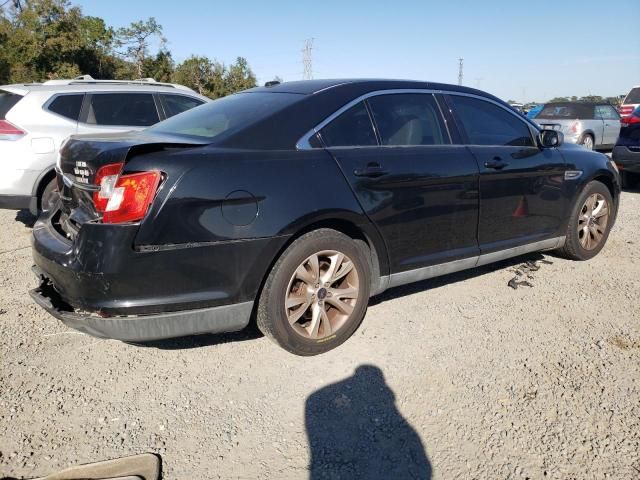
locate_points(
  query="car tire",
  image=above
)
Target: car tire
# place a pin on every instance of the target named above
(590, 222)
(301, 286)
(49, 196)
(587, 141)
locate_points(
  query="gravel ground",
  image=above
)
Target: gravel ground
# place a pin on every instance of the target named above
(457, 377)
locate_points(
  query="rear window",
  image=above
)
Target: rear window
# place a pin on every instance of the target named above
(226, 115)
(634, 96)
(175, 104)
(123, 109)
(67, 105)
(7, 101)
(567, 111)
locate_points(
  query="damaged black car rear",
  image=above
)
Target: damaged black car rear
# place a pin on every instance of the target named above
(293, 204)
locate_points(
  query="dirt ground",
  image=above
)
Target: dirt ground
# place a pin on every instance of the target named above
(457, 377)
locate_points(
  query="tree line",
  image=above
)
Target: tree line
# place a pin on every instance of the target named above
(48, 39)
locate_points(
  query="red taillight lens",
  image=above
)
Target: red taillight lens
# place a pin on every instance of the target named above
(106, 179)
(9, 131)
(131, 197)
(632, 119)
(574, 127)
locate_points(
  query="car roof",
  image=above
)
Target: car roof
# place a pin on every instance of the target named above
(102, 86)
(310, 87)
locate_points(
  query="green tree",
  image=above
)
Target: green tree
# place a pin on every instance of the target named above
(159, 67)
(559, 99)
(239, 76)
(135, 40)
(203, 75)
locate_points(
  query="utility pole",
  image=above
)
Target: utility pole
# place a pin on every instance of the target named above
(307, 59)
(460, 67)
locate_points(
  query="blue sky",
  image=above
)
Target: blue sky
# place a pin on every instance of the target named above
(514, 49)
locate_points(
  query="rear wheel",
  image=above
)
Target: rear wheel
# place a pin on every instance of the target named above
(49, 196)
(317, 293)
(590, 223)
(587, 142)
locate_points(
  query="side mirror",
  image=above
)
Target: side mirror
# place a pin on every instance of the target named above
(550, 138)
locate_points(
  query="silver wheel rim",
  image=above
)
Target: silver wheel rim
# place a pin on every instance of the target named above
(588, 143)
(322, 294)
(592, 221)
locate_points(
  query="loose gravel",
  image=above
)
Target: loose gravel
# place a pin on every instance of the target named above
(456, 377)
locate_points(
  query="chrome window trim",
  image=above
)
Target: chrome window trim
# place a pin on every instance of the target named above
(303, 142)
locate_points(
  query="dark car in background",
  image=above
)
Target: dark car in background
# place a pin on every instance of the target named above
(593, 125)
(626, 153)
(293, 204)
(630, 103)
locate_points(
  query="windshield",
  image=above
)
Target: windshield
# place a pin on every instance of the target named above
(225, 115)
(634, 96)
(567, 111)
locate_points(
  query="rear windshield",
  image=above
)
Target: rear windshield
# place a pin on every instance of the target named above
(7, 101)
(634, 96)
(567, 111)
(226, 115)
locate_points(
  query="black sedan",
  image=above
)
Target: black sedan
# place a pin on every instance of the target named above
(626, 153)
(293, 204)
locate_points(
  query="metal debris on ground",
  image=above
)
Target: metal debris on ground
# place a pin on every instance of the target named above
(525, 272)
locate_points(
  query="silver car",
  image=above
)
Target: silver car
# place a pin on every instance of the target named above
(36, 118)
(594, 125)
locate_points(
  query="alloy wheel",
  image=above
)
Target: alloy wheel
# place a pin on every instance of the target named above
(592, 221)
(322, 294)
(588, 143)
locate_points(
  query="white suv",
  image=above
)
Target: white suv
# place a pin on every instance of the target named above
(36, 118)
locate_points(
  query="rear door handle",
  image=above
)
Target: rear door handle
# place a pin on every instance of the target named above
(496, 164)
(373, 170)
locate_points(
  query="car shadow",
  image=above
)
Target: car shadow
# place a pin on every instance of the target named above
(251, 332)
(456, 277)
(356, 431)
(25, 217)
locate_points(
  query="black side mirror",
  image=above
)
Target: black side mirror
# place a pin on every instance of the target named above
(550, 138)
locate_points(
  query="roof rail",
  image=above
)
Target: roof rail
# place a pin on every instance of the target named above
(89, 80)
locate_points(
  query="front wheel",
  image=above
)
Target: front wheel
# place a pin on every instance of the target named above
(587, 142)
(316, 294)
(590, 222)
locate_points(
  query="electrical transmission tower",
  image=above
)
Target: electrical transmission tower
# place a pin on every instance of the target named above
(460, 67)
(307, 59)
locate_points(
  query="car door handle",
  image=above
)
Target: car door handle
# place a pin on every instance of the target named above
(496, 164)
(371, 170)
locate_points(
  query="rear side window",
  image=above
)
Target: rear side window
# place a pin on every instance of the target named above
(633, 96)
(352, 128)
(7, 101)
(124, 109)
(407, 119)
(175, 104)
(489, 124)
(606, 112)
(67, 105)
(567, 111)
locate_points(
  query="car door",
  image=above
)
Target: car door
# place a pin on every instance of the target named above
(418, 189)
(521, 199)
(611, 123)
(118, 112)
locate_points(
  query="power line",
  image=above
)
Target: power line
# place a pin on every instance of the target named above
(460, 68)
(307, 60)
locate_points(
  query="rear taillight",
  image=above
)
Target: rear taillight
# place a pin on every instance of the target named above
(9, 131)
(106, 179)
(124, 198)
(573, 128)
(631, 119)
(625, 110)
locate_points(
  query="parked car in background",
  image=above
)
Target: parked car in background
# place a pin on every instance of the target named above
(630, 102)
(593, 125)
(296, 203)
(626, 153)
(534, 111)
(36, 118)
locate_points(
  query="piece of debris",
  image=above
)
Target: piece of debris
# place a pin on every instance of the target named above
(526, 270)
(2, 311)
(514, 283)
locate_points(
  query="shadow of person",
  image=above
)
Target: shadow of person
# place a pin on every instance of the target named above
(356, 431)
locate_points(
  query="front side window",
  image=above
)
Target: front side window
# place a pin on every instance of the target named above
(488, 124)
(606, 112)
(123, 109)
(175, 104)
(352, 128)
(67, 105)
(407, 119)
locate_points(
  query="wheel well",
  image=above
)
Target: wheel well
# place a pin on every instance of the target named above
(608, 183)
(44, 181)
